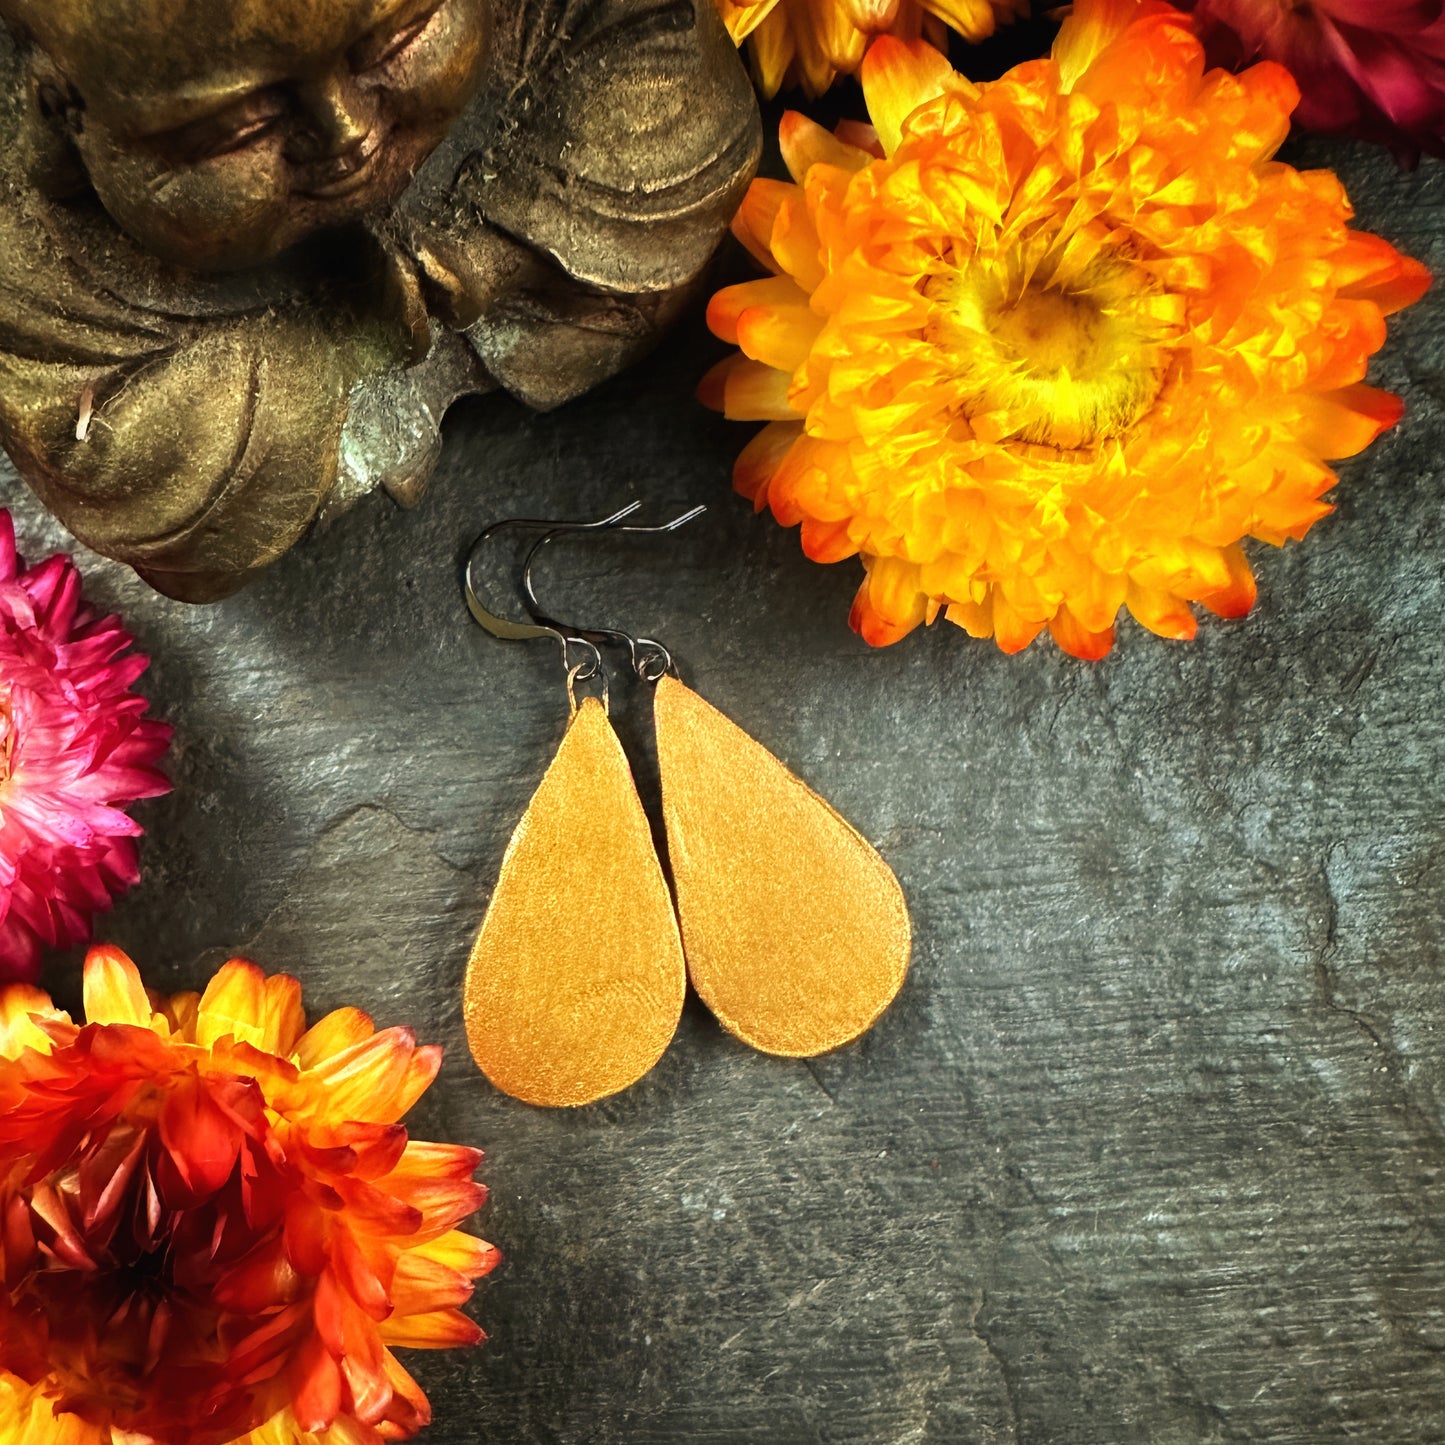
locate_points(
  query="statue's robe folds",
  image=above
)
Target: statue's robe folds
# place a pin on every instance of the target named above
(194, 426)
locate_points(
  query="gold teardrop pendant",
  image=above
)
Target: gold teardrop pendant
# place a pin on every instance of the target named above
(795, 930)
(576, 980)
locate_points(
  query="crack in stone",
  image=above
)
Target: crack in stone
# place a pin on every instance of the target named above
(1005, 1370)
(1326, 976)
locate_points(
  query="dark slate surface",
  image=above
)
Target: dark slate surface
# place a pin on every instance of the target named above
(1150, 1149)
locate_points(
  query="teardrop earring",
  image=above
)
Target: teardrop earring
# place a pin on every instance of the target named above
(575, 982)
(795, 930)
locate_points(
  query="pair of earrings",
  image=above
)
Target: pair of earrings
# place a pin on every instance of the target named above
(791, 928)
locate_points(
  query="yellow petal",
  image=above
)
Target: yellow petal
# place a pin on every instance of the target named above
(462, 1252)
(805, 144)
(113, 991)
(436, 1330)
(758, 462)
(729, 304)
(773, 50)
(742, 19)
(754, 392)
(898, 77)
(340, 1030)
(975, 20)
(234, 1003)
(753, 224)
(1162, 613)
(20, 1005)
(1091, 28)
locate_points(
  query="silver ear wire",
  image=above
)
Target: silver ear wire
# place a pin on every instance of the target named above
(510, 631)
(650, 659)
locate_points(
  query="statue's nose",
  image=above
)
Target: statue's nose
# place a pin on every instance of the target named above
(338, 117)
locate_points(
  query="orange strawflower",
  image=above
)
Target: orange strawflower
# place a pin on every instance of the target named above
(211, 1222)
(1047, 347)
(812, 42)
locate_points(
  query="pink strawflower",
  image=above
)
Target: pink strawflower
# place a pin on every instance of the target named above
(75, 747)
(1370, 68)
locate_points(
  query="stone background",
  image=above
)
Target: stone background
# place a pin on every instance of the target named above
(1150, 1148)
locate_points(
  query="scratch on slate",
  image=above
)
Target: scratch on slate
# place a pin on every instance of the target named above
(1327, 987)
(1005, 1370)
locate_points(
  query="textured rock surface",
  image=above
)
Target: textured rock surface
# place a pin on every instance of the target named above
(1151, 1147)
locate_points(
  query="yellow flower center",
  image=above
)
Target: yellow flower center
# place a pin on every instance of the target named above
(1041, 359)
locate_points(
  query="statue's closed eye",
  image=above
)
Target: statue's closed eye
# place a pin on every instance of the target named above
(226, 132)
(390, 41)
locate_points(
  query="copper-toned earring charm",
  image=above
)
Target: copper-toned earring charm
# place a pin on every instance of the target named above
(575, 983)
(795, 930)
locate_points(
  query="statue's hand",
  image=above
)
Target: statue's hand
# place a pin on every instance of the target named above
(463, 271)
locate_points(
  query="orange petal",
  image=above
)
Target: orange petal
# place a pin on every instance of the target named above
(201, 1139)
(1076, 640)
(1369, 268)
(421, 1284)
(1161, 612)
(760, 460)
(861, 136)
(755, 392)
(976, 618)
(1235, 599)
(712, 390)
(899, 76)
(315, 1380)
(778, 336)
(407, 1389)
(1342, 423)
(753, 224)
(827, 541)
(1011, 630)
(1090, 29)
(113, 991)
(729, 304)
(890, 603)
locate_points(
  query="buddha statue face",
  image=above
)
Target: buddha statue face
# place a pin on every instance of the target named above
(219, 133)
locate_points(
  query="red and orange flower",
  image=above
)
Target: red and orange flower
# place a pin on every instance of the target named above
(1051, 346)
(212, 1222)
(812, 42)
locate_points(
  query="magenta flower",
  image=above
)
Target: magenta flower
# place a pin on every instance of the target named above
(1370, 68)
(75, 747)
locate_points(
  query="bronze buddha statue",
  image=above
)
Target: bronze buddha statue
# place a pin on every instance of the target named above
(251, 250)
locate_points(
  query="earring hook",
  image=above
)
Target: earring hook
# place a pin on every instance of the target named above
(649, 658)
(510, 631)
